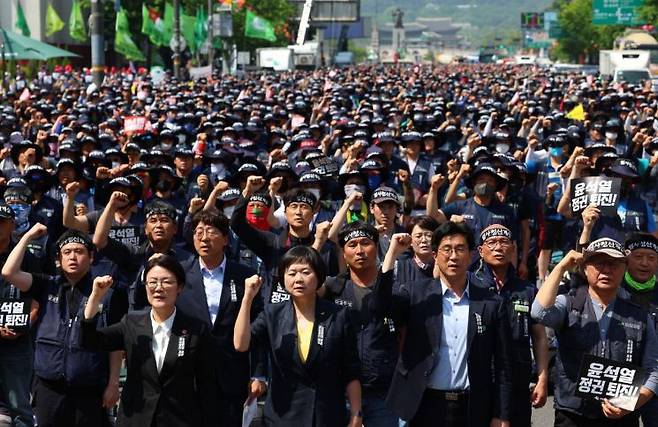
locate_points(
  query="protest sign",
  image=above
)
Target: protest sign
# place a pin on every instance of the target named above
(602, 191)
(601, 378)
(323, 165)
(15, 315)
(135, 125)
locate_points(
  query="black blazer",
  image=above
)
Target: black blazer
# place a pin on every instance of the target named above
(181, 394)
(421, 307)
(235, 373)
(311, 393)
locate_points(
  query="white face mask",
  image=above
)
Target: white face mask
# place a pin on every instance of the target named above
(611, 136)
(166, 146)
(351, 188)
(502, 148)
(228, 211)
(315, 192)
(218, 170)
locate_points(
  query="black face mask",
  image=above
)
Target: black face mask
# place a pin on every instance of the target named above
(163, 186)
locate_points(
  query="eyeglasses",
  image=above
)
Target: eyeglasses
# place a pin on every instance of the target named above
(503, 243)
(165, 283)
(448, 250)
(210, 232)
(424, 235)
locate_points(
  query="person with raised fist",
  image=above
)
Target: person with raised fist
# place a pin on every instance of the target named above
(312, 347)
(169, 356)
(73, 386)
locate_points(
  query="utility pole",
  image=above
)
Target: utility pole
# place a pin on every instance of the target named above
(177, 46)
(97, 42)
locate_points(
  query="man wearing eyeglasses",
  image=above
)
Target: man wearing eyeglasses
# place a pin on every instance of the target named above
(454, 367)
(213, 293)
(496, 272)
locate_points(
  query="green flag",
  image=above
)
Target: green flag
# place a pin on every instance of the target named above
(53, 22)
(123, 42)
(187, 24)
(200, 28)
(258, 28)
(76, 23)
(21, 23)
(152, 25)
(168, 23)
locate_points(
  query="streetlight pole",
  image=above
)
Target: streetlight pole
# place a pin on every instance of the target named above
(97, 42)
(176, 56)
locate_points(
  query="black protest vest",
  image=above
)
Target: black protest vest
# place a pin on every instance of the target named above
(580, 335)
(519, 295)
(58, 355)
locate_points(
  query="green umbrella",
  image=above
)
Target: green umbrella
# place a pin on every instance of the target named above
(15, 46)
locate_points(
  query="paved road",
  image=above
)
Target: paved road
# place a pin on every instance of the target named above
(543, 417)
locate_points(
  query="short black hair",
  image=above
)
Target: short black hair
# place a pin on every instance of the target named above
(425, 222)
(304, 255)
(450, 228)
(358, 225)
(169, 263)
(217, 220)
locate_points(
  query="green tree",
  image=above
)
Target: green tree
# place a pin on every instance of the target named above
(649, 11)
(278, 12)
(581, 40)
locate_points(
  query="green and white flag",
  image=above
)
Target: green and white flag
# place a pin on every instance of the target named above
(258, 28)
(21, 22)
(53, 22)
(123, 42)
(77, 28)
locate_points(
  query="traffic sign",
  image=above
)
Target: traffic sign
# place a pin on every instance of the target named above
(617, 12)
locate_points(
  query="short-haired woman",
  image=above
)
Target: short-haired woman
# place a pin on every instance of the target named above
(167, 352)
(313, 349)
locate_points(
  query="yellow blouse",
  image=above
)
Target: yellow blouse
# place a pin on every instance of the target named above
(304, 333)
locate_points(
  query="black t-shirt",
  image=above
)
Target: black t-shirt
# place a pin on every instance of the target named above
(130, 233)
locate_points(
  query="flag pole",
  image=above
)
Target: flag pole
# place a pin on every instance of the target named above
(97, 42)
(176, 56)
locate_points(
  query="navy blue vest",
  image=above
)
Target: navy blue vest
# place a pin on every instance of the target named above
(58, 355)
(580, 335)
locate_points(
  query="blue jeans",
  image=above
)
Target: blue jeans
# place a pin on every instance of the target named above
(376, 413)
(15, 380)
(649, 413)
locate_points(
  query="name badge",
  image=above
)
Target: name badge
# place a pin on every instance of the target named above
(320, 335)
(234, 293)
(478, 324)
(521, 308)
(181, 345)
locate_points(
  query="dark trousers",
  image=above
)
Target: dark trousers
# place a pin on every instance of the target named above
(230, 411)
(58, 405)
(569, 419)
(521, 409)
(436, 410)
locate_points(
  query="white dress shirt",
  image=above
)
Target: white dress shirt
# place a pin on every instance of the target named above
(161, 335)
(213, 283)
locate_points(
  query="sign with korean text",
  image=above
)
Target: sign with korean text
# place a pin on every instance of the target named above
(324, 165)
(133, 125)
(602, 191)
(616, 12)
(15, 315)
(602, 378)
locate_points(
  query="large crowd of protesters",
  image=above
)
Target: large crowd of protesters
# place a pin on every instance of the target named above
(375, 246)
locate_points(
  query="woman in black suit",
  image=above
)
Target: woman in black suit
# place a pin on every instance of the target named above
(312, 348)
(169, 381)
